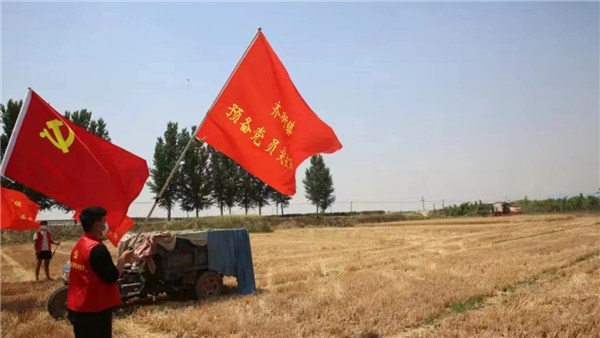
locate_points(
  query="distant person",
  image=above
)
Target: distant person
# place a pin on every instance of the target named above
(93, 290)
(42, 242)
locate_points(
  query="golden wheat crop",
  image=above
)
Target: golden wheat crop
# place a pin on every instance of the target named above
(526, 276)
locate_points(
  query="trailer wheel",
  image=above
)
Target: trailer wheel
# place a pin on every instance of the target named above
(208, 284)
(57, 303)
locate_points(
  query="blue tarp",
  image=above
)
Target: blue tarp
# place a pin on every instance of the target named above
(229, 254)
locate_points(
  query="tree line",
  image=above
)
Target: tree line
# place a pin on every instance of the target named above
(578, 203)
(205, 178)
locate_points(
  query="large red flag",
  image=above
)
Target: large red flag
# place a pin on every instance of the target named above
(54, 156)
(18, 211)
(261, 121)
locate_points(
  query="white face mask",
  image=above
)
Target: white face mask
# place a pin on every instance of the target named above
(105, 229)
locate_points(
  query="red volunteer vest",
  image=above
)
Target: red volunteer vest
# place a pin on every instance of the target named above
(87, 291)
(38, 240)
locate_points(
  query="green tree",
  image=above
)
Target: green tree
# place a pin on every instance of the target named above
(580, 203)
(9, 114)
(194, 191)
(280, 200)
(593, 203)
(166, 152)
(318, 184)
(224, 175)
(83, 118)
(246, 196)
(263, 194)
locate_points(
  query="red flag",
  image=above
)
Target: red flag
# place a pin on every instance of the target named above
(54, 156)
(261, 121)
(18, 211)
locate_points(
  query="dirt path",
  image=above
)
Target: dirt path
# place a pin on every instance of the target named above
(18, 272)
(64, 252)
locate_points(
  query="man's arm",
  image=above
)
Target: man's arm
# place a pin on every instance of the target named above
(51, 240)
(103, 265)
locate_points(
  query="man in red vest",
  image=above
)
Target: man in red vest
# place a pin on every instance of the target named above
(42, 242)
(93, 289)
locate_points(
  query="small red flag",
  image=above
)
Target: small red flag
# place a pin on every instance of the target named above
(18, 211)
(61, 160)
(261, 121)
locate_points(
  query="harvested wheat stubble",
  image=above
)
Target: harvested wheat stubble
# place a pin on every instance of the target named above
(485, 277)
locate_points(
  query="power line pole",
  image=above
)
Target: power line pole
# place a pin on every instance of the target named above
(350, 206)
(423, 202)
(443, 207)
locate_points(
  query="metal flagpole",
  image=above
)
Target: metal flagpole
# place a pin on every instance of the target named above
(15, 132)
(162, 190)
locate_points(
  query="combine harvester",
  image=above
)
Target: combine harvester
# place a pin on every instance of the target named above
(504, 209)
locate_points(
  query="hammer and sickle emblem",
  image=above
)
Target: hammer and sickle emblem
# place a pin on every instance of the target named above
(56, 137)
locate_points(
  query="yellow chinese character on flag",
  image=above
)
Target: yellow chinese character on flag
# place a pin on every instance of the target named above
(282, 156)
(235, 113)
(288, 162)
(289, 127)
(258, 134)
(245, 127)
(271, 148)
(275, 112)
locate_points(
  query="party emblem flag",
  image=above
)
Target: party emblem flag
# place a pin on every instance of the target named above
(18, 211)
(63, 161)
(261, 121)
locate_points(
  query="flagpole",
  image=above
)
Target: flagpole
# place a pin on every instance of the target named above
(259, 30)
(15, 132)
(231, 75)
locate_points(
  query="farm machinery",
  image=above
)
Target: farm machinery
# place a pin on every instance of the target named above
(504, 209)
(180, 270)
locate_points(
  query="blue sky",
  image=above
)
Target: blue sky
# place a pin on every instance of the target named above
(449, 101)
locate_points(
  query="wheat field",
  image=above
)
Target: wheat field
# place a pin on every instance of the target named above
(525, 276)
